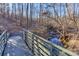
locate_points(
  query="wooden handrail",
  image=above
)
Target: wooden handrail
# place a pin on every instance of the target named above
(67, 52)
(3, 33)
(58, 47)
(3, 41)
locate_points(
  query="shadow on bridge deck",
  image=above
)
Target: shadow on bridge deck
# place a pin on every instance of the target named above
(16, 46)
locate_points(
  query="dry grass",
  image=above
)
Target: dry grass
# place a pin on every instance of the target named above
(74, 46)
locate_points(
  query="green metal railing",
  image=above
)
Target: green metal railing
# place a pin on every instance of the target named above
(42, 47)
(3, 41)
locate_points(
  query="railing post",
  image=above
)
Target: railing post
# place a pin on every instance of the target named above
(33, 44)
(26, 41)
(38, 46)
(23, 35)
(5, 37)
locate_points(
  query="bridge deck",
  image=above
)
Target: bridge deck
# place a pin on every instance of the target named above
(16, 47)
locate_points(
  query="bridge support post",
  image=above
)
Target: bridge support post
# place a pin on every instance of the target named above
(33, 44)
(38, 46)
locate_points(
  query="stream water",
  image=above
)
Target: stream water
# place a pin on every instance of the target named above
(56, 41)
(54, 38)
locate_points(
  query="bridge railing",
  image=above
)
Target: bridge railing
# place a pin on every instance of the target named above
(42, 47)
(3, 41)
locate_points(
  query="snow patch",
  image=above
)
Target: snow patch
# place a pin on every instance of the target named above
(8, 54)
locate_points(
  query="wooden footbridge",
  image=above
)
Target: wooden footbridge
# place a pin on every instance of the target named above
(35, 45)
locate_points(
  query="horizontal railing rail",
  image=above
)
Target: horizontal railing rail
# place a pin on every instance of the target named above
(3, 41)
(42, 47)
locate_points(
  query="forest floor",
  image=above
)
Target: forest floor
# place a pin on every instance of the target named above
(9, 25)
